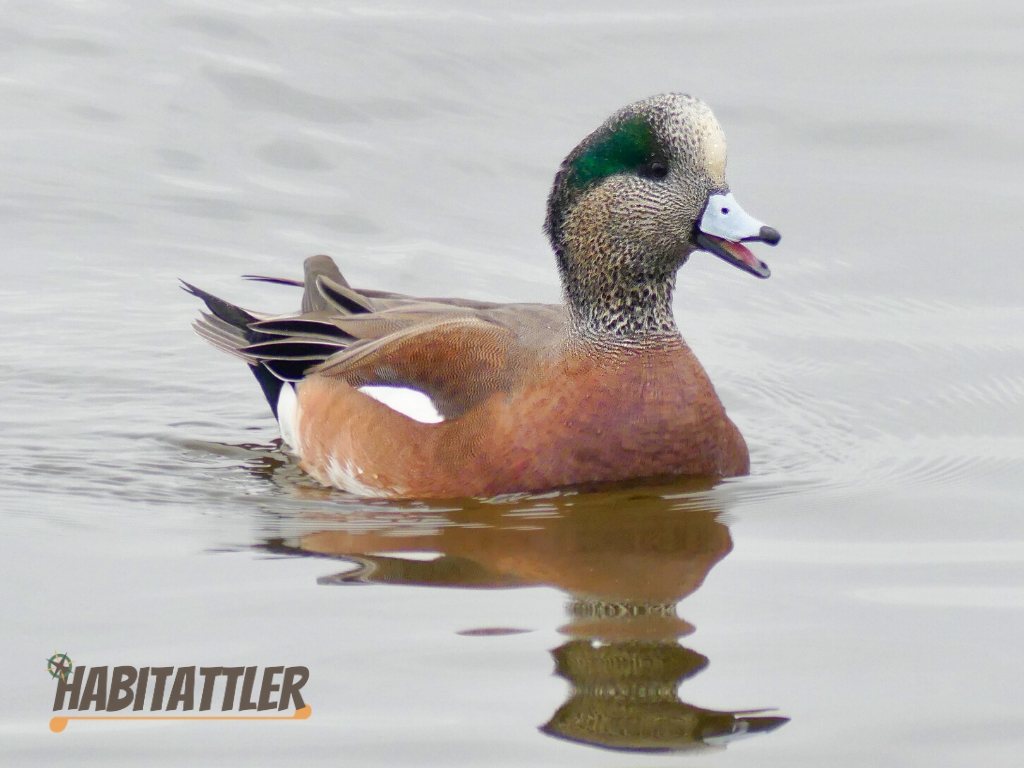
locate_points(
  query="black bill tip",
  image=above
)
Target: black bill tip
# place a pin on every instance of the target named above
(769, 235)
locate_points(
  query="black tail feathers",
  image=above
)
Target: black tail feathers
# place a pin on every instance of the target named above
(237, 320)
(280, 350)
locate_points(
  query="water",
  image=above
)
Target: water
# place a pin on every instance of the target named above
(867, 579)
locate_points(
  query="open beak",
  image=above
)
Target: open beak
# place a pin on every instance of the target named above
(724, 227)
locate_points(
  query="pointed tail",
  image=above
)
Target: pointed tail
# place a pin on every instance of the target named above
(226, 326)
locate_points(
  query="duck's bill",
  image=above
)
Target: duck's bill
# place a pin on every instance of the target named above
(723, 229)
(736, 254)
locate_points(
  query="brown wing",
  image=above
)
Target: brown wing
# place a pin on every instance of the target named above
(458, 352)
(456, 361)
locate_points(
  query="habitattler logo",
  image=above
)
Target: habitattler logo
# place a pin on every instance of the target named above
(59, 665)
(168, 693)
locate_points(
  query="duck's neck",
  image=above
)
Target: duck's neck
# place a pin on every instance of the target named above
(613, 303)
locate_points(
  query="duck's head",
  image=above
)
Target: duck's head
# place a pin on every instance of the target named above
(636, 197)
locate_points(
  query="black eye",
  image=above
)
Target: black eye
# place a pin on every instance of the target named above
(725, 210)
(656, 171)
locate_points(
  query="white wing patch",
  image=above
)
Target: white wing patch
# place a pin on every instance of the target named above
(409, 402)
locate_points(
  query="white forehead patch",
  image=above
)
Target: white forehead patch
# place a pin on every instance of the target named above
(699, 135)
(713, 142)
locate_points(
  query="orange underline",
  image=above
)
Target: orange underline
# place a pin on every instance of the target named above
(60, 722)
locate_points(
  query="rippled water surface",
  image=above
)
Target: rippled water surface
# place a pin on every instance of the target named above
(865, 584)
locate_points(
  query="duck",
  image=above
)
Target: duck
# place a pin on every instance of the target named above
(381, 394)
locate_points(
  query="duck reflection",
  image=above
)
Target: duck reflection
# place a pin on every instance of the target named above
(625, 557)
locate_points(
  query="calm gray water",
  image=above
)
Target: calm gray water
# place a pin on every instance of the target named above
(866, 581)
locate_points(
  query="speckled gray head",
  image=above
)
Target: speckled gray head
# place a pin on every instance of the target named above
(635, 198)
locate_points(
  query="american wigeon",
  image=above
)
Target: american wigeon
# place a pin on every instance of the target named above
(523, 397)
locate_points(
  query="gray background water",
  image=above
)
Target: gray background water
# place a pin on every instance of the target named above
(875, 589)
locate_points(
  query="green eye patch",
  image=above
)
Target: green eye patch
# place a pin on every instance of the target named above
(626, 149)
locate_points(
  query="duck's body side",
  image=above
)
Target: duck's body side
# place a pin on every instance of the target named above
(581, 418)
(532, 396)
